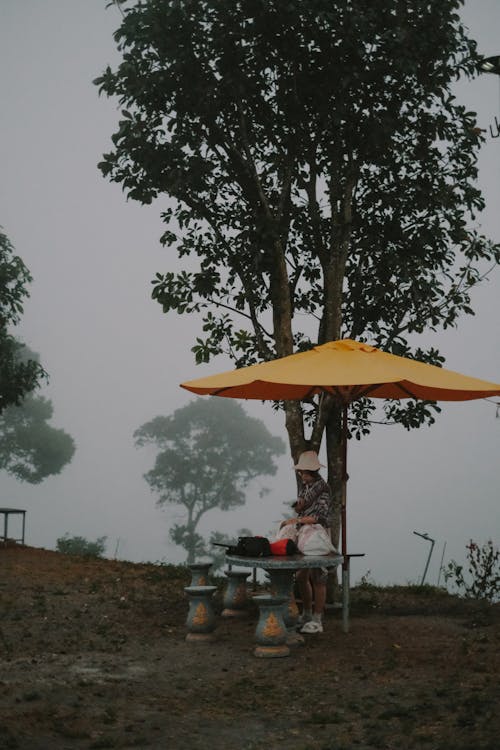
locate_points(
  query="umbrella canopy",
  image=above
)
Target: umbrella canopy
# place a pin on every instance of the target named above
(347, 370)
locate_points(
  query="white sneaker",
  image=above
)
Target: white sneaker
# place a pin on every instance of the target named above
(303, 618)
(313, 626)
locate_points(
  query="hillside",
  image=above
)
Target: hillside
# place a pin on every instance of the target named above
(93, 655)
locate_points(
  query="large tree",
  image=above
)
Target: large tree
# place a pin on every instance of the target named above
(320, 171)
(18, 374)
(208, 453)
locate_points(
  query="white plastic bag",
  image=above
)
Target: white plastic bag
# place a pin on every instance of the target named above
(314, 539)
(288, 531)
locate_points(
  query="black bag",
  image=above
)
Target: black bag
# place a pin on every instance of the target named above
(248, 546)
(253, 546)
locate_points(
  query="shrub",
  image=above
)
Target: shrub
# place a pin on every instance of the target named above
(78, 545)
(483, 579)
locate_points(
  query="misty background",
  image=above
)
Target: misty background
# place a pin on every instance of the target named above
(115, 360)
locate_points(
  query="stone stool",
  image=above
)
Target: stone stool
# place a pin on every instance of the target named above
(271, 633)
(281, 585)
(201, 617)
(235, 595)
(199, 573)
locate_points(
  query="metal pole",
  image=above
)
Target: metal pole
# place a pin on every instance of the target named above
(345, 594)
(345, 560)
(427, 537)
(344, 482)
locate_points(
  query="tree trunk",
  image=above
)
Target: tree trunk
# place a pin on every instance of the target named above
(335, 469)
(295, 427)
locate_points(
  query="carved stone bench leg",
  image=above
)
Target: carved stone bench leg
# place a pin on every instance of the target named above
(200, 621)
(281, 585)
(271, 633)
(199, 573)
(235, 596)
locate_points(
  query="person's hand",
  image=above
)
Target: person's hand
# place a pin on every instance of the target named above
(288, 522)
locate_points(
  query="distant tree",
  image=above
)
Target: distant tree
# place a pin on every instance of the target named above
(78, 545)
(208, 452)
(30, 448)
(18, 375)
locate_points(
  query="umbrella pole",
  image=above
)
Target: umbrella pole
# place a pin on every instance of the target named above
(344, 480)
(345, 559)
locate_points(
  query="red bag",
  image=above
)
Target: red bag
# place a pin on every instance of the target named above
(284, 547)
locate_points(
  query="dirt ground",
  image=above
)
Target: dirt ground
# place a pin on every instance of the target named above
(93, 655)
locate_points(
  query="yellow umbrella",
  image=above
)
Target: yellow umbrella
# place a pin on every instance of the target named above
(347, 370)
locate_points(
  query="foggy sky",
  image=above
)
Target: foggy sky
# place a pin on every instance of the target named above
(115, 361)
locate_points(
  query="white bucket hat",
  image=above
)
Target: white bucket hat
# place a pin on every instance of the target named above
(308, 461)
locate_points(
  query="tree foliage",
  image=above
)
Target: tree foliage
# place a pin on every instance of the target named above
(18, 374)
(320, 171)
(482, 578)
(30, 448)
(208, 453)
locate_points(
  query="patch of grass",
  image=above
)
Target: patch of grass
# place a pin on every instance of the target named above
(390, 663)
(325, 717)
(69, 732)
(139, 741)
(109, 716)
(376, 738)
(40, 603)
(31, 695)
(425, 590)
(396, 712)
(160, 572)
(8, 740)
(104, 742)
(7, 646)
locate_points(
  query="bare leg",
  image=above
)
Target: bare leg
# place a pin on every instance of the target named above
(305, 589)
(319, 597)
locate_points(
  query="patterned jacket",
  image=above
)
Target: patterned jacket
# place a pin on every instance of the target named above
(317, 499)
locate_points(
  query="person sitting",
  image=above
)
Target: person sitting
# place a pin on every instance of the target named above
(313, 505)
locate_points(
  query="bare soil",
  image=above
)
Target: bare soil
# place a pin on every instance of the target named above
(93, 655)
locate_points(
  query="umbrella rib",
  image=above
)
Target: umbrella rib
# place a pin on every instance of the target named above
(218, 391)
(369, 389)
(337, 391)
(353, 392)
(406, 390)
